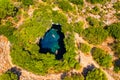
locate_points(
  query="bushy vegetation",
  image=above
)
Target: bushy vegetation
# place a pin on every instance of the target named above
(8, 76)
(7, 9)
(77, 2)
(94, 22)
(95, 35)
(84, 47)
(27, 2)
(97, 1)
(114, 30)
(96, 74)
(117, 5)
(78, 27)
(101, 57)
(7, 31)
(65, 5)
(95, 10)
(74, 77)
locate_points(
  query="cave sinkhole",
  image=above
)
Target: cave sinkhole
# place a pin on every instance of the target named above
(53, 42)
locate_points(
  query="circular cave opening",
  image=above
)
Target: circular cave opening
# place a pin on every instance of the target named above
(53, 42)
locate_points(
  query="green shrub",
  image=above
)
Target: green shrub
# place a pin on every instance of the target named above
(94, 22)
(118, 15)
(95, 35)
(65, 5)
(8, 76)
(7, 31)
(27, 2)
(114, 30)
(84, 47)
(101, 57)
(7, 9)
(74, 77)
(78, 27)
(96, 74)
(97, 1)
(95, 10)
(77, 2)
(117, 5)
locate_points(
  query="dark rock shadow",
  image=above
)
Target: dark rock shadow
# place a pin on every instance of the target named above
(16, 71)
(87, 69)
(62, 49)
(63, 75)
(117, 62)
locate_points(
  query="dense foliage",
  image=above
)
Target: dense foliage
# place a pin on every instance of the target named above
(101, 57)
(96, 74)
(74, 77)
(114, 30)
(117, 5)
(65, 5)
(95, 10)
(84, 47)
(97, 1)
(27, 2)
(78, 27)
(8, 76)
(7, 31)
(77, 2)
(94, 22)
(7, 9)
(95, 35)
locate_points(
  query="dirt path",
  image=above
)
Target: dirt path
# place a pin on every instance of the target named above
(4, 50)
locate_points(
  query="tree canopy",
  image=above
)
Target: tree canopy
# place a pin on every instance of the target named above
(8, 76)
(114, 30)
(101, 57)
(7, 9)
(95, 35)
(96, 74)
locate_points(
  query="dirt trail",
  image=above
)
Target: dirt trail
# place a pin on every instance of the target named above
(86, 60)
(4, 50)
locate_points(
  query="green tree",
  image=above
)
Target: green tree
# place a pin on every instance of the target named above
(78, 27)
(27, 2)
(114, 30)
(7, 9)
(96, 74)
(95, 10)
(95, 35)
(117, 5)
(74, 77)
(65, 5)
(97, 1)
(94, 22)
(101, 57)
(77, 2)
(8, 76)
(84, 47)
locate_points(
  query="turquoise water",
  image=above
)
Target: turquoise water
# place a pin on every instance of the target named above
(50, 40)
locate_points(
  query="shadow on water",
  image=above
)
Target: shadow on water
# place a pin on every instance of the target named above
(62, 49)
